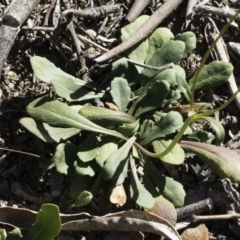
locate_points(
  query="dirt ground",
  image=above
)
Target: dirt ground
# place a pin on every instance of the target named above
(28, 182)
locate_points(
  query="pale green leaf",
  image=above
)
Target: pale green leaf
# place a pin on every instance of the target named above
(59, 114)
(137, 191)
(175, 156)
(106, 148)
(64, 157)
(14, 235)
(153, 98)
(83, 199)
(88, 149)
(105, 117)
(47, 224)
(214, 74)
(115, 163)
(156, 40)
(167, 186)
(166, 125)
(119, 68)
(138, 52)
(120, 92)
(73, 91)
(46, 132)
(85, 168)
(3, 234)
(189, 38)
(66, 86)
(172, 51)
(217, 127)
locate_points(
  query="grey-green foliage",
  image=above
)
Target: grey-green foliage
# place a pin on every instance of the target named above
(109, 138)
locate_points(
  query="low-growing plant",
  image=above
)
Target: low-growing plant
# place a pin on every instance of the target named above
(137, 126)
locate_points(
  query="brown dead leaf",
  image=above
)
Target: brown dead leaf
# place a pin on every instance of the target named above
(118, 196)
(198, 233)
(112, 106)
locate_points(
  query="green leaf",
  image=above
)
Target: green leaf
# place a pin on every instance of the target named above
(200, 136)
(225, 162)
(59, 114)
(156, 40)
(66, 86)
(120, 92)
(85, 168)
(172, 51)
(83, 199)
(105, 117)
(80, 184)
(167, 186)
(175, 156)
(64, 157)
(88, 149)
(214, 74)
(137, 191)
(47, 224)
(107, 147)
(166, 125)
(165, 209)
(189, 38)
(182, 83)
(119, 68)
(217, 127)
(115, 163)
(73, 90)
(153, 98)
(3, 234)
(46, 132)
(138, 52)
(128, 129)
(14, 235)
(170, 75)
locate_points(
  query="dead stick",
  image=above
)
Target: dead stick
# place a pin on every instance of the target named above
(53, 3)
(136, 9)
(15, 15)
(144, 31)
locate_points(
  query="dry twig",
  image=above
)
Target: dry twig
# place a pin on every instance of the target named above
(144, 31)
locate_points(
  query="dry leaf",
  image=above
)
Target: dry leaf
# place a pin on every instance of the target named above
(198, 233)
(118, 196)
(112, 106)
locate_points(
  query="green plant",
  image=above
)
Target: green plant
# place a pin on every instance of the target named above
(47, 225)
(113, 142)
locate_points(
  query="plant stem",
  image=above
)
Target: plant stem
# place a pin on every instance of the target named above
(206, 56)
(177, 138)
